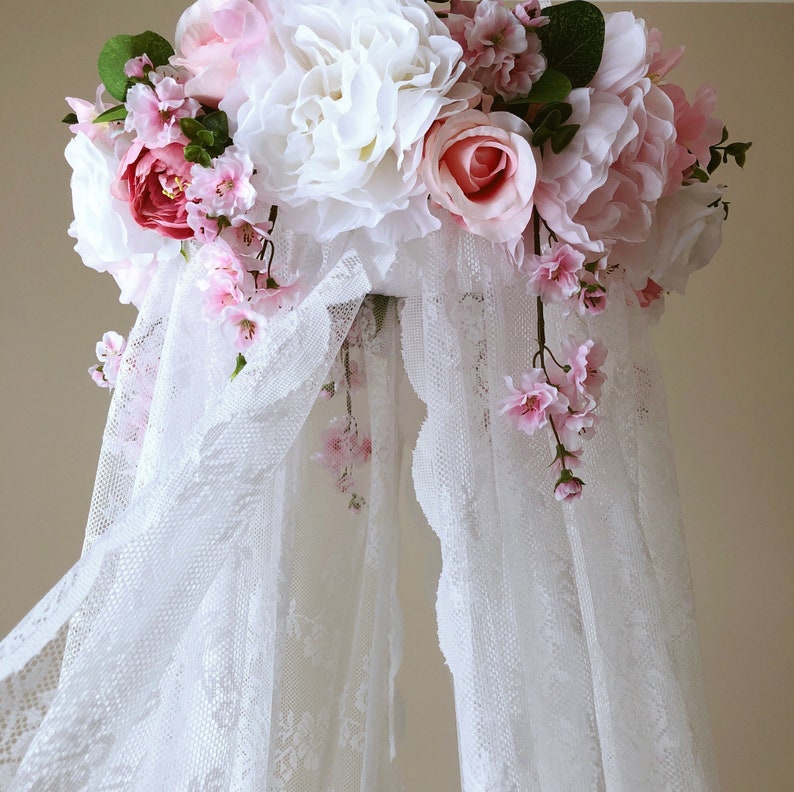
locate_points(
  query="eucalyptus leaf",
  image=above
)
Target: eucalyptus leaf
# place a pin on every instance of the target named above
(563, 136)
(119, 49)
(553, 86)
(117, 113)
(573, 40)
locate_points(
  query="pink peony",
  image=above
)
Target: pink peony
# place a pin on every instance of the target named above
(211, 36)
(482, 169)
(153, 181)
(554, 276)
(696, 128)
(528, 408)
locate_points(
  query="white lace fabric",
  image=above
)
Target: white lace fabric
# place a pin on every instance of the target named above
(234, 625)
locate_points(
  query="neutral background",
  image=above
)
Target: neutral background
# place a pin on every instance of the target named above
(725, 349)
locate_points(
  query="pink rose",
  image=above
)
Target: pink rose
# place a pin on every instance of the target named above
(153, 181)
(211, 36)
(481, 168)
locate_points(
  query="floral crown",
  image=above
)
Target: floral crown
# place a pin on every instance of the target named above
(553, 133)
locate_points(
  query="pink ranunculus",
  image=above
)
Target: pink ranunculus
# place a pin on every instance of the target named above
(482, 169)
(554, 276)
(211, 36)
(153, 181)
(528, 407)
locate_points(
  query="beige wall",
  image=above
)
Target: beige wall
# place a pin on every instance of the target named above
(725, 348)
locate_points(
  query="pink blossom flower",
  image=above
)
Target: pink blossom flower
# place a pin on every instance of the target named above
(592, 296)
(211, 36)
(528, 408)
(225, 188)
(242, 325)
(153, 181)
(109, 352)
(86, 112)
(341, 447)
(499, 53)
(138, 67)
(268, 300)
(584, 380)
(554, 276)
(206, 229)
(573, 427)
(246, 237)
(529, 14)
(482, 169)
(155, 110)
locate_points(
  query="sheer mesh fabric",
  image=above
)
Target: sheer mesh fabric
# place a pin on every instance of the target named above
(233, 623)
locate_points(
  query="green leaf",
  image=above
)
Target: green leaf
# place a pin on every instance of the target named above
(714, 162)
(205, 137)
(117, 113)
(69, 118)
(380, 306)
(700, 175)
(563, 136)
(553, 86)
(118, 50)
(218, 124)
(741, 159)
(541, 136)
(240, 365)
(552, 115)
(193, 152)
(190, 127)
(573, 41)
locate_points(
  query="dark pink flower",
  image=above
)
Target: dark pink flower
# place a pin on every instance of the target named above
(153, 181)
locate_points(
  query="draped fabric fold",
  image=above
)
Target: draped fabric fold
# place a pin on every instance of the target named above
(233, 623)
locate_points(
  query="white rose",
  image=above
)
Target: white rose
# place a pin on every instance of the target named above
(685, 235)
(336, 107)
(108, 239)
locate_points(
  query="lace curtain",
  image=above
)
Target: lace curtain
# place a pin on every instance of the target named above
(233, 623)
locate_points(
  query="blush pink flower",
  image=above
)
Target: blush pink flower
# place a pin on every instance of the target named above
(227, 282)
(481, 168)
(649, 294)
(554, 276)
(343, 446)
(592, 296)
(661, 61)
(154, 111)
(528, 407)
(529, 14)
(153, 181)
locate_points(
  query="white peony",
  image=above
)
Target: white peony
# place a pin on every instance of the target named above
(108, 239)
(334, 108)
(684, 237)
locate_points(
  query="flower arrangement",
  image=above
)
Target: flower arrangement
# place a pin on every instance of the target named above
(554, 133)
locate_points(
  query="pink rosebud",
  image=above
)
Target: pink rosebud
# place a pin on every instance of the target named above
(650, 294)
(568, 487)
(482, 169)
(592, 297)
(528, 408)
(554, 276)
(529, 14)
(153, 181)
